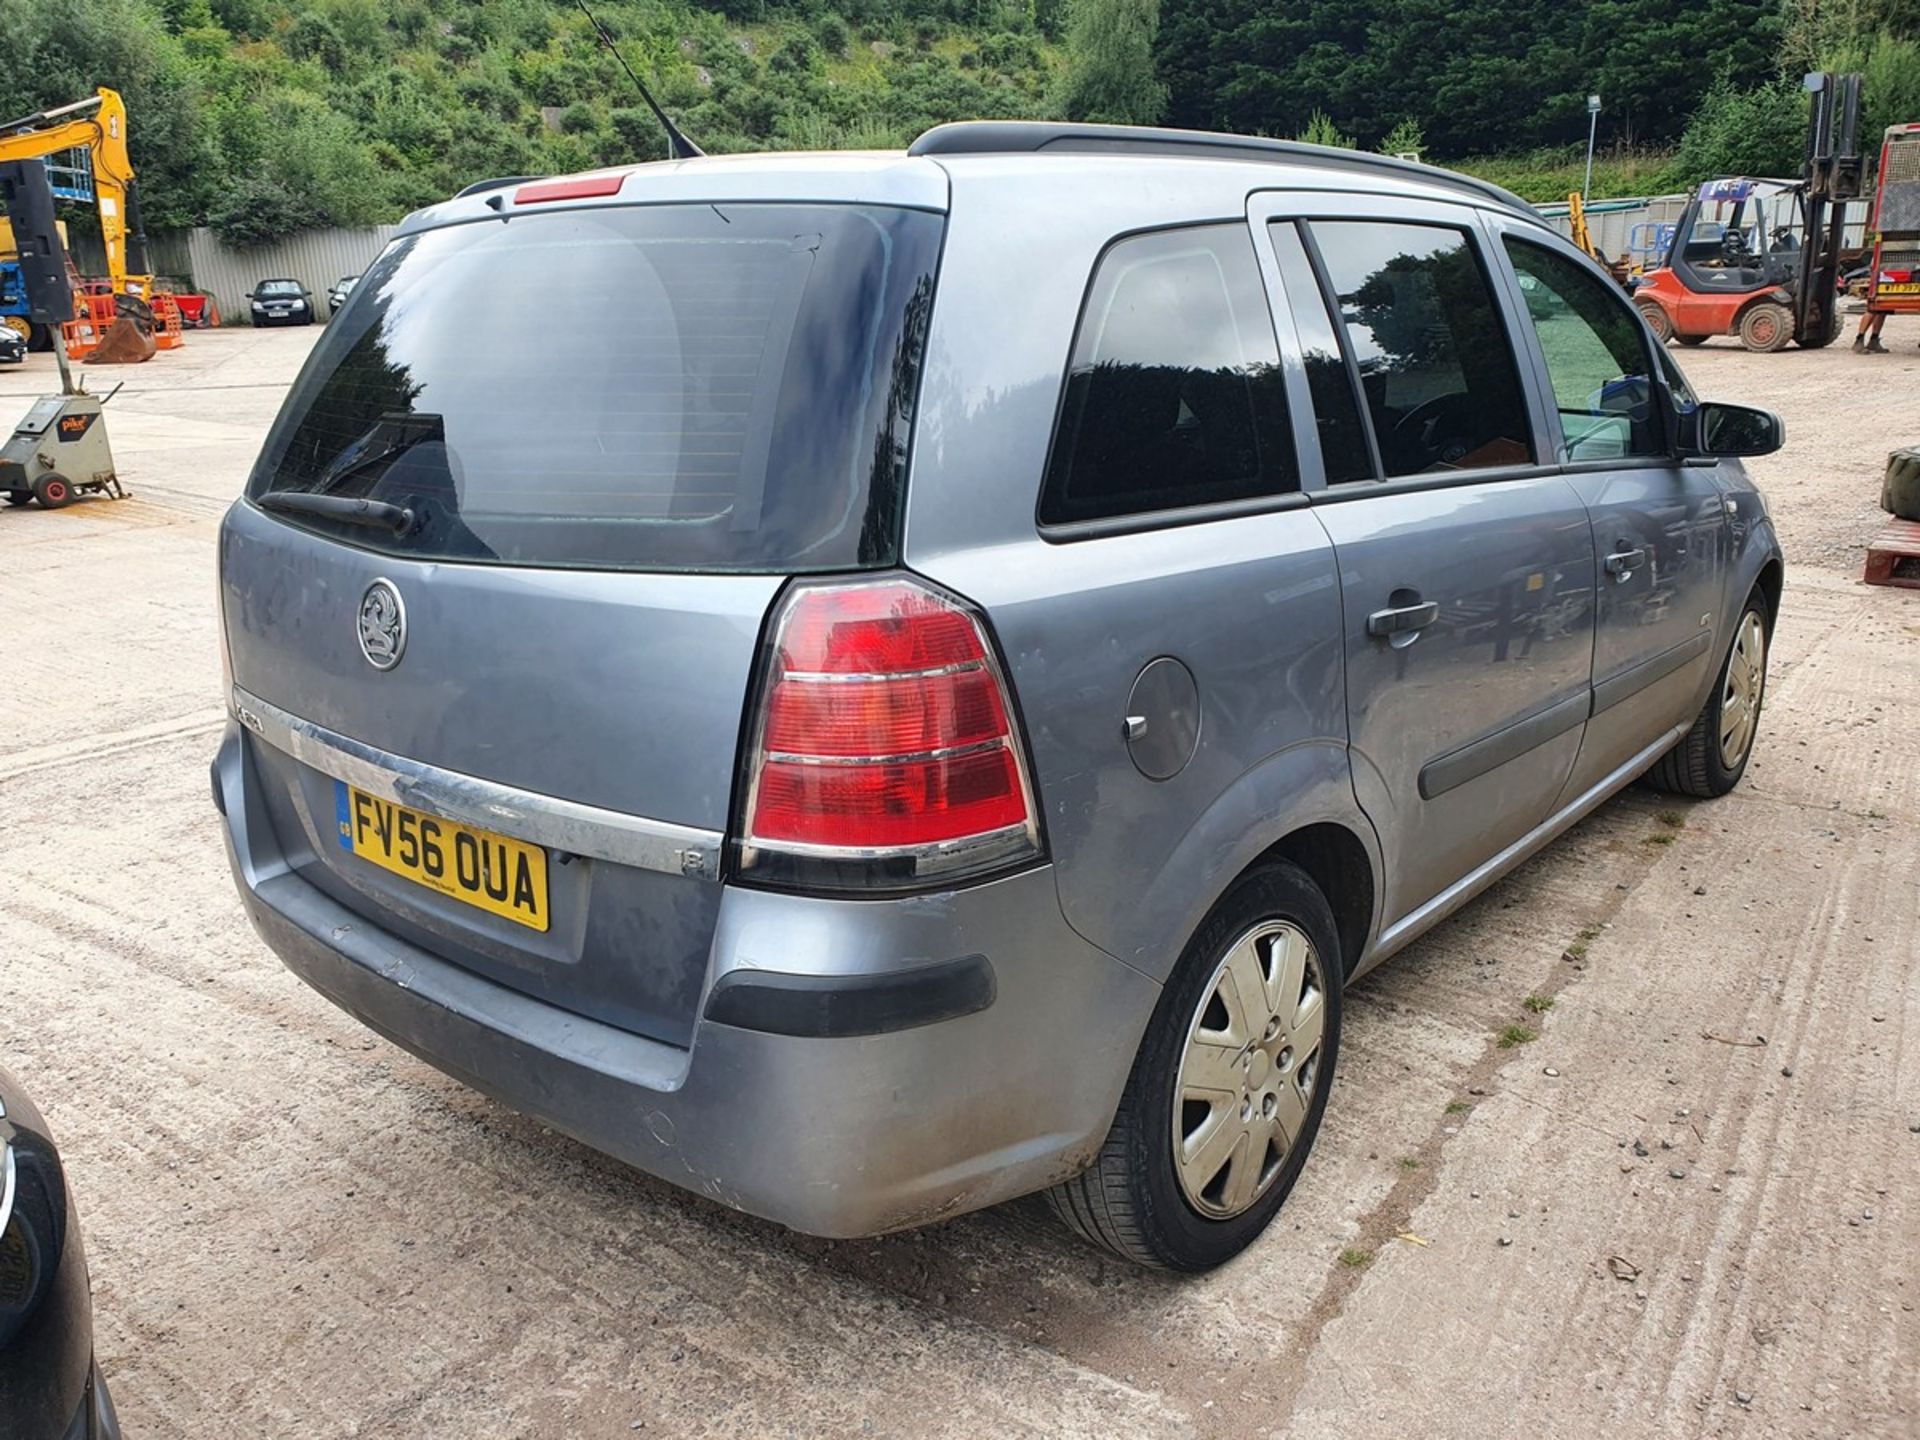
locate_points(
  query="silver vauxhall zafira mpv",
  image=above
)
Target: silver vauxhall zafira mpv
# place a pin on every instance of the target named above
(871, 685)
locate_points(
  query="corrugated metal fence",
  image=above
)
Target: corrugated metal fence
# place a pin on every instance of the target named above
(316, 258)
(1640, 229)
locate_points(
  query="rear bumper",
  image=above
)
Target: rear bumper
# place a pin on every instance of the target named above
(970, 1046)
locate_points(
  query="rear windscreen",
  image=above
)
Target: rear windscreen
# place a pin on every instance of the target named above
(678, 387)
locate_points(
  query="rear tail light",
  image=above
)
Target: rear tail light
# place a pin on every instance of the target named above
(884, 752)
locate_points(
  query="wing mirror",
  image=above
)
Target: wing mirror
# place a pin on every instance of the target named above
(1719, 430)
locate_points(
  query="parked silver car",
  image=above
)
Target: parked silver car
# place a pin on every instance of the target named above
(924, 676)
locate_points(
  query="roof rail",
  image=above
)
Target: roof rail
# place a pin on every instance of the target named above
(480, 187)
(1005, 137)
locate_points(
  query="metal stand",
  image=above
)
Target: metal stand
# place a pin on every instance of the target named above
(67, 385)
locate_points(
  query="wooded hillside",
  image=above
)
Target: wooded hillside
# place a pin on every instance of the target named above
(264, 116)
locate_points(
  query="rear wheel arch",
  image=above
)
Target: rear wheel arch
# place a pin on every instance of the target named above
(1339, 863)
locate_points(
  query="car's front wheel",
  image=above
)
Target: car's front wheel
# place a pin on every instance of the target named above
(1227, 1091)
(1713, 755)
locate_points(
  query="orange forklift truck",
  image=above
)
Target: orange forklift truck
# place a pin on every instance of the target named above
(1761, 258)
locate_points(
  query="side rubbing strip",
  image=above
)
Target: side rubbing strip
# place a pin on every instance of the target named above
(1473, 760)
(1635, 678)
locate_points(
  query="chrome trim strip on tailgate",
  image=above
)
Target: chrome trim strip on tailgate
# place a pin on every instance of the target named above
(557, 824)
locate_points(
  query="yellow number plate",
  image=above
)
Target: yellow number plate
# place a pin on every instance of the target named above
(497, 874)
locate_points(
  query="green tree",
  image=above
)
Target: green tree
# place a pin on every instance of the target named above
(1405, 138)
(55, 53)
(1757, 131)
(1478, 76)
(1320, 130)
(1109, 74)
(1889, 70)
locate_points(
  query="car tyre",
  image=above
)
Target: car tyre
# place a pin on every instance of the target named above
(1138, 1198)
(1691, 340)
(1713, 755)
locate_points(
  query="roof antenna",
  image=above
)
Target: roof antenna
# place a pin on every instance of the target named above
(678, 146)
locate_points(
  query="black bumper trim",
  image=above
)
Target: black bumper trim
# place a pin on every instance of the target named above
(821, 1007)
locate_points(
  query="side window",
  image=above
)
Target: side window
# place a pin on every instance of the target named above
(1596, 356)
(1336, 414)
(1438, 373)
(1174, 394)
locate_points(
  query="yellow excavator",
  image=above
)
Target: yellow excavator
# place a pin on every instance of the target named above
(1583, 237)
(96, 127)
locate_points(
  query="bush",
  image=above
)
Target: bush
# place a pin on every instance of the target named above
(1110, 73)
(1889, 69)
(831, 31)
(637, 134)
(1406, 138)
(1320, 130)
(258, 210)
(1761, 131)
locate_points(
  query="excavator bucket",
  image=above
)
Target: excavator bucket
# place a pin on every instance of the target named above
(124, 343)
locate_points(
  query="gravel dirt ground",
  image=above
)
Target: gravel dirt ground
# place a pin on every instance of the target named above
(1687, 1208)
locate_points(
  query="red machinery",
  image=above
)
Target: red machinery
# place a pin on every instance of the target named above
(1893, 282)
(1731, 267)
(1761, 258)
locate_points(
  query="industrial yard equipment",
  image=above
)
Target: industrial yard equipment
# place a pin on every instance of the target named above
(94, 132)
(1893, 279)
(60, 449)
(1761, 258)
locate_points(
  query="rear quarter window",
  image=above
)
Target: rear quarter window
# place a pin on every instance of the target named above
(675, 387)
(1174, 396)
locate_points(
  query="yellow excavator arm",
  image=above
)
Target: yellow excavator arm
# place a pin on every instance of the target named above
(97, 125)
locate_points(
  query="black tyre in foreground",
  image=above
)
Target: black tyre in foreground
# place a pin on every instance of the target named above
(1227, 1092)
(1712, 756)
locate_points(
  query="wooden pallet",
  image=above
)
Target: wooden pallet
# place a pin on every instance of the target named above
(1893, 557)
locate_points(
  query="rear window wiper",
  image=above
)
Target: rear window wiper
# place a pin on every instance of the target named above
(345, 509)
(381, 444)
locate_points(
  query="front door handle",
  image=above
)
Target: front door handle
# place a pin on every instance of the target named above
(1403, 618)
(1622, 563)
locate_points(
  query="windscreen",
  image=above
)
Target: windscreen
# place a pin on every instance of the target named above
(664, 387)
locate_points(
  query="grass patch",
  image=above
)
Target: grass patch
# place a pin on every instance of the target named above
(1589, 932)
(1661, 839)
(1673, 818)
(1578, 950)
(1356, 1259)
(1407, 1162)
(1545, 176)
(1458, 1107)
(1514, 1035)
(1537, 1004)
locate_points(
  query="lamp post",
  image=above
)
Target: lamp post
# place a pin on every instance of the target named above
(1593, 122)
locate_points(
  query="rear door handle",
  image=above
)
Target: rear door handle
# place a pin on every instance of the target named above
(1402, 618)
(1622, 563)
